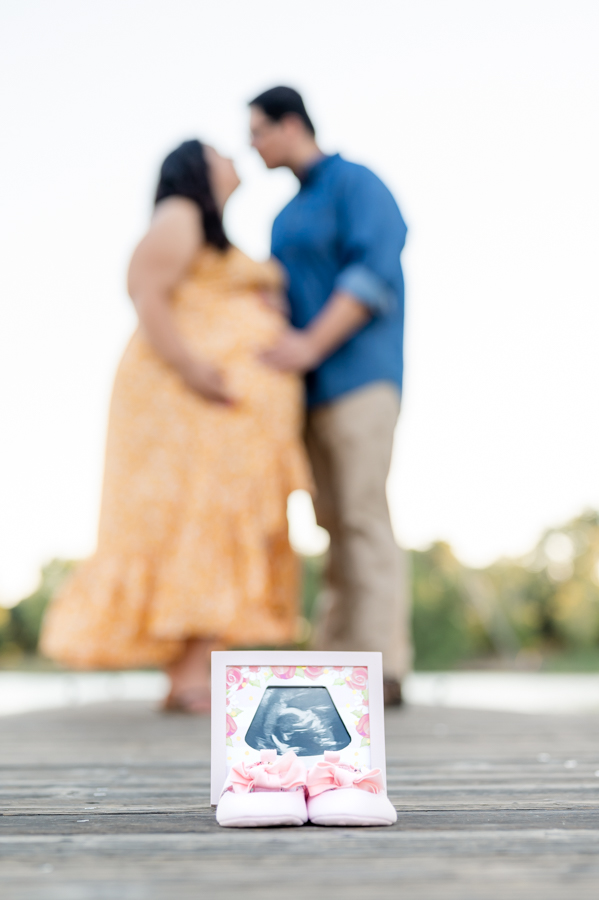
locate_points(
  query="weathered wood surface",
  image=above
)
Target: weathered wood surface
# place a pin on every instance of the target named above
(111, 801)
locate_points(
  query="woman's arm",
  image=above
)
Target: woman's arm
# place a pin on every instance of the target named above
(159, 263)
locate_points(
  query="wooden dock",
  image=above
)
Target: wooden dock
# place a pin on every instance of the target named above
(110, 802)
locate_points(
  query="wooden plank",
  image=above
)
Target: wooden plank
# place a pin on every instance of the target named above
(255, 864)
(112, 802)
(202, 822)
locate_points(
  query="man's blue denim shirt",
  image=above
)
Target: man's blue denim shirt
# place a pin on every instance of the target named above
(344, 231)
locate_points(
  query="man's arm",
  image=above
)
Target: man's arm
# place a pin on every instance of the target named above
(372, 236)
(304, 350)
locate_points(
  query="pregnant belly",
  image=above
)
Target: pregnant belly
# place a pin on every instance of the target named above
(230, 330)
(231, 334)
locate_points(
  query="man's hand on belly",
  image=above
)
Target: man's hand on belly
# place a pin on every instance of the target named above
(302, 351)
(294, 351)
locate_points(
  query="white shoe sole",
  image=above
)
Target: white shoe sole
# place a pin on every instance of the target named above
(349, 806)
(261, 809)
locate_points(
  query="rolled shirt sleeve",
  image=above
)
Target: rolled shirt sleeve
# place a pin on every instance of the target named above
(372, 235)
(367, 287)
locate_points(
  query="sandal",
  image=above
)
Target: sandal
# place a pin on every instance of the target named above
(269, 792)
(339, 794)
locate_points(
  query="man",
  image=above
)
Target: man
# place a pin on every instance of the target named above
(340, 240)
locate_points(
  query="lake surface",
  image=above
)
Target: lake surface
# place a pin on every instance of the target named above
(510, 691)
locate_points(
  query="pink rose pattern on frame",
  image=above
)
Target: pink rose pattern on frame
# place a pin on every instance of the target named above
(363, 726)
(234, 676)
(284, 671)
(231, 726)
(358, 679)
(313, 672)
(347, 685)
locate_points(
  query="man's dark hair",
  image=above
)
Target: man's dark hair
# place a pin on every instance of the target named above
(279, 102)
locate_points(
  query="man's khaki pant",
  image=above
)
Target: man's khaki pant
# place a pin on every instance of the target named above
(366, 601)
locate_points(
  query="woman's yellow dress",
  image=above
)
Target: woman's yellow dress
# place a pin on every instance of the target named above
(193, 530)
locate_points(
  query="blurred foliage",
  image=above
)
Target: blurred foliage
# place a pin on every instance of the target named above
(445, 626)
(539, 611)
(20, 626)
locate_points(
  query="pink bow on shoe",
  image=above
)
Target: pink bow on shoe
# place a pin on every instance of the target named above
(324, 776)
(285, 774)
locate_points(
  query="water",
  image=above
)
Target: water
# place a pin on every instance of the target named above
(27, 691)
(523, 692)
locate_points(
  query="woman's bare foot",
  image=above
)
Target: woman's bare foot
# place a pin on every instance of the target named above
(190, 678)
(192, 701)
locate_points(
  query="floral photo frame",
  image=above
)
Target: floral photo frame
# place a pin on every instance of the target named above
(308, 701)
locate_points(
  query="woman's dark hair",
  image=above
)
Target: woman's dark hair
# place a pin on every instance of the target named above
(281, 101)
(184, 173)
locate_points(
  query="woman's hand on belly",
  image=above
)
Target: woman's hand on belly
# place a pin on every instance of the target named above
(207, 380)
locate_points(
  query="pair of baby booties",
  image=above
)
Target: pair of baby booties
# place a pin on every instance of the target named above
(280, 791)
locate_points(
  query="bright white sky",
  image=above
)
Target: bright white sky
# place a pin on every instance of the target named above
(483, 119)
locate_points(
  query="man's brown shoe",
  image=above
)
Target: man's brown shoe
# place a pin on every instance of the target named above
(392, 692)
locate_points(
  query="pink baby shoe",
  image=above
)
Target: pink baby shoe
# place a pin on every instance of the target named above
(338, 794)
(269, 792)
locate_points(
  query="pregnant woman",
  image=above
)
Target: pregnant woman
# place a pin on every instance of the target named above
(203, 450)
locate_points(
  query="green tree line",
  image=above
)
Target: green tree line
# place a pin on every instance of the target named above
(543, 607)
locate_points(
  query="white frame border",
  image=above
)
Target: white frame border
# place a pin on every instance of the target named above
(223, 658)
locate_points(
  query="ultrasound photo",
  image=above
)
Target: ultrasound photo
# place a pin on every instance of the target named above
(302, 719)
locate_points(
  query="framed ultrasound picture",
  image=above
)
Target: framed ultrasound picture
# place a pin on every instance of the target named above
(303, 701)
